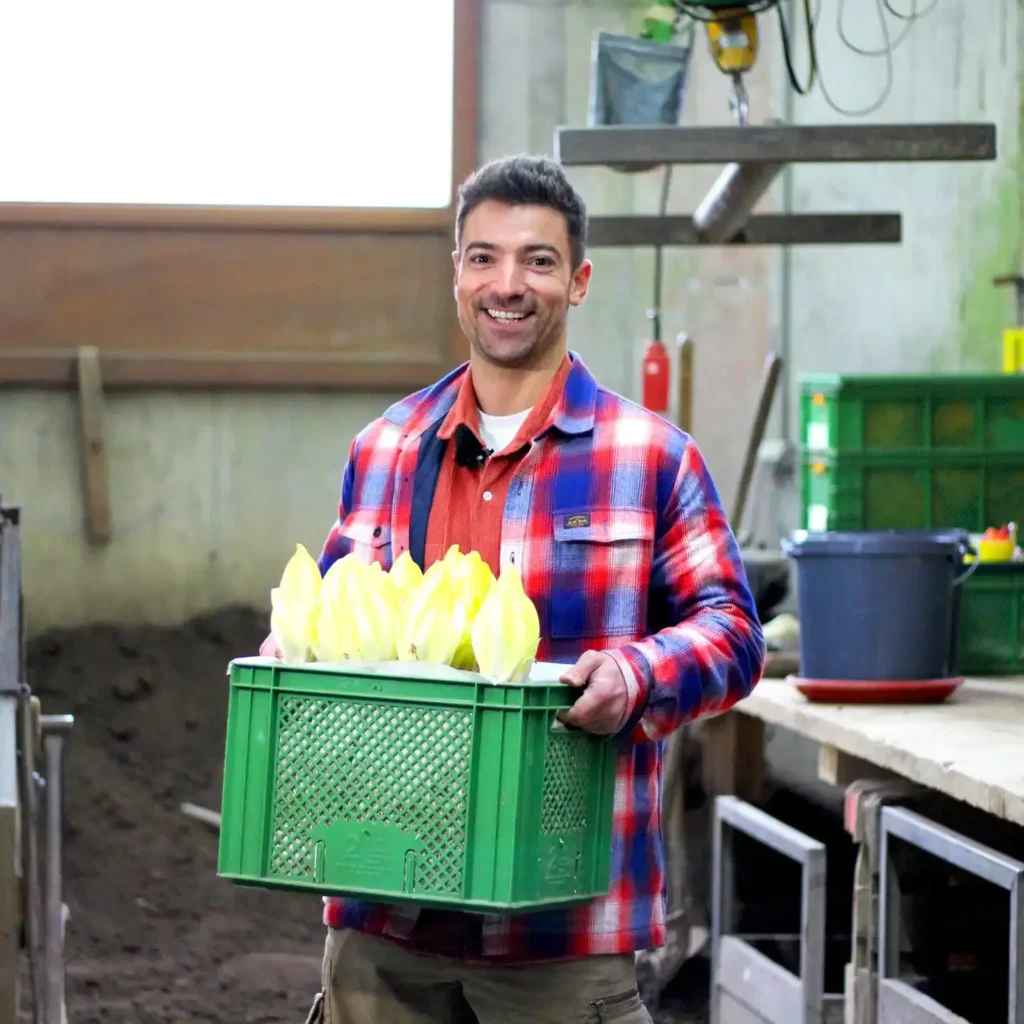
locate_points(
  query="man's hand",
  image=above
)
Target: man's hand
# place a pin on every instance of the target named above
(269, 648)
(602, 707)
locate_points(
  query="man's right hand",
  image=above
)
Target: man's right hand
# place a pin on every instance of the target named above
(269, 648)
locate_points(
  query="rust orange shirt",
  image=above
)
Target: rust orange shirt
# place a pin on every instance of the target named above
(470, 499)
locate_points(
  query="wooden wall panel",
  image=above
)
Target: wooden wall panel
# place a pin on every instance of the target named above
(158, 291)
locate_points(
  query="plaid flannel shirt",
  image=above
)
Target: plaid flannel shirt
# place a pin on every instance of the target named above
(621, 542)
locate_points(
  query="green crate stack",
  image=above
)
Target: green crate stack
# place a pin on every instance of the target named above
(444, 792)
(991, 637)
(922, 452)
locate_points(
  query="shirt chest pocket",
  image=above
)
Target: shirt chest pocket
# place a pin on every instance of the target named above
(601, 573)
(368, 536)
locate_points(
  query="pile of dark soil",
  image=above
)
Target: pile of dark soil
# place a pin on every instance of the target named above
(154, 936)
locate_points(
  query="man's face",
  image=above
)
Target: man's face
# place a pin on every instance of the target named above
(514, 283)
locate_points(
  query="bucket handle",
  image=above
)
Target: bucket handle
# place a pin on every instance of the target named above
(967, 548)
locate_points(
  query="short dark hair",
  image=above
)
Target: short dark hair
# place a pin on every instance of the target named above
(526, 181)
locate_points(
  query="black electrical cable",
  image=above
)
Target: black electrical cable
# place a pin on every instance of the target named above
(787, 53)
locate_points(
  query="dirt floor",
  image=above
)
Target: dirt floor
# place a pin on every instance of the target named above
(154, 936)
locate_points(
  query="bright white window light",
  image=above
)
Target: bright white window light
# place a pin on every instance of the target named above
(227, 102)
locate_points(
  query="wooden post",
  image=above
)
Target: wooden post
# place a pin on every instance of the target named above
(96, 483)
(685, 411)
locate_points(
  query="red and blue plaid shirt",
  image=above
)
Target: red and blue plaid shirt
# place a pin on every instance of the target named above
(622, 544)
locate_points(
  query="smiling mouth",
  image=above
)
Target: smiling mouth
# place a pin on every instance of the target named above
(506, 316)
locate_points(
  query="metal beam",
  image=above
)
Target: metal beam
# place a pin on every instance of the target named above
(632, 147)
(725, 209)
(760, 229)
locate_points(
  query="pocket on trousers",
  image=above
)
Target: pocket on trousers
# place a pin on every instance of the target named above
(625, 1007)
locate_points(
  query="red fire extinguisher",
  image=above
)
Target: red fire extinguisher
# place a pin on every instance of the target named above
(656, 371)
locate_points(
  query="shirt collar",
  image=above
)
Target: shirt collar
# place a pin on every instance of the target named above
(568, 405)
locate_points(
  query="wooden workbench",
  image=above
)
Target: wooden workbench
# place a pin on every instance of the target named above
(970, 748)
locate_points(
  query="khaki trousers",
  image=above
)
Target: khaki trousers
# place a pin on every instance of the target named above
(367, 980)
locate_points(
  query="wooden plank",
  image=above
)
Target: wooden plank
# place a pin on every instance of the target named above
(968, 747)
(838, 768)
(95, 477)
(759, 229)
(732, 756)
(226, 218)
(387, 297)
(57, 368)
(629, 146)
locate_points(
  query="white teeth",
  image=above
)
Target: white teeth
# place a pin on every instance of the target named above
(504, 314)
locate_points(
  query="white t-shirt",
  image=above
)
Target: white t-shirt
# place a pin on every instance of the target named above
(497, 432)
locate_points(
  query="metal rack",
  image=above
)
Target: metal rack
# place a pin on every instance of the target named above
(32, 909)
(753, 157)
(898, 1001)
(748, 987)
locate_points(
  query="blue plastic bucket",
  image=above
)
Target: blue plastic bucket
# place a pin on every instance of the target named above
(878, 605)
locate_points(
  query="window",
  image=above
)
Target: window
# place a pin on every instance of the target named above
(310, 103)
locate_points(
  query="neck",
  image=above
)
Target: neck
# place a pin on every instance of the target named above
(503, 391)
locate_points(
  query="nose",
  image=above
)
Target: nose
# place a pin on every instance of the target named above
(508, 281)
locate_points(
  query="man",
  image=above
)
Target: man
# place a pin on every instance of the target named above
(611, 517)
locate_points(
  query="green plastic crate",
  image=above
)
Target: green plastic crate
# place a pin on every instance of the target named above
(912, 492)
(409, 782)
(940, 413)
(991, 635)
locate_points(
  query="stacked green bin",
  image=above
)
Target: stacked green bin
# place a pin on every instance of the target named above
(921, 452)
(443, 790)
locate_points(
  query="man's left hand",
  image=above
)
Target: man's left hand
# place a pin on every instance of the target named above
(602, 706)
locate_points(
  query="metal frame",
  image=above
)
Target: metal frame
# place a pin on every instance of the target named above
(753, 159)
(633, 147)
(898, 1002)
(745, 984)
(759, 229)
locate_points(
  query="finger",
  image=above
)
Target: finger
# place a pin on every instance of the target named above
(582, 670)
(586, 710)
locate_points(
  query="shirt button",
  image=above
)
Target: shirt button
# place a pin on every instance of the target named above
(487, 495)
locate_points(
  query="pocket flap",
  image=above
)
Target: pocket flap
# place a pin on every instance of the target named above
(604, 525)
(367, 527)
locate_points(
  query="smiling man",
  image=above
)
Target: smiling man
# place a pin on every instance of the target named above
(615, 525)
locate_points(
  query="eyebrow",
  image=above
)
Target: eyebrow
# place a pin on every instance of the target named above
(536, 247)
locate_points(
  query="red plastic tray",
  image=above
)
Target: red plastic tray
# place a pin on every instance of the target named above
(850, 691)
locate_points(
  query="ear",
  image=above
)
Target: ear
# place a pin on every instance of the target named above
(580, 283)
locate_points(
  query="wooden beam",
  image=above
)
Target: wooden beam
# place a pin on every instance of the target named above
(58, 368)
(628, 146)
(732, 756)
(759, 229)
(838, 768)
(337, 220)
(95, 478)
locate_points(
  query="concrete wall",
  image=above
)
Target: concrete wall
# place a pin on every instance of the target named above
(210, 492)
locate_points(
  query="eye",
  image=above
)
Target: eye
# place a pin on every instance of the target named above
(479, 259)
(542, 261)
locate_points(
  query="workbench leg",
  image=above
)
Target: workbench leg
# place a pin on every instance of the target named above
(10, 913)
(864, 802)
(732, 756)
